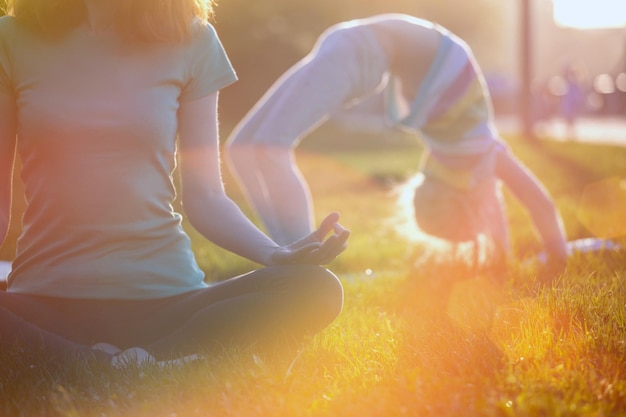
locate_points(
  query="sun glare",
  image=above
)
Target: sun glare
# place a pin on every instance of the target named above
(589, 14)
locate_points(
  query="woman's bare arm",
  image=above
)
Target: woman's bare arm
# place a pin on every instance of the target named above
(217, 217)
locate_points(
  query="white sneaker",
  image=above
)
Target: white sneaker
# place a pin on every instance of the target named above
(137, 356)
(134, 356)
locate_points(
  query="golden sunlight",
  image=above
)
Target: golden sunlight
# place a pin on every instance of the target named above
(590, 14)
(602, 207)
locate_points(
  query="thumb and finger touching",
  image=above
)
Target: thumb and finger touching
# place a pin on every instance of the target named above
(316, 248)
(328, 224)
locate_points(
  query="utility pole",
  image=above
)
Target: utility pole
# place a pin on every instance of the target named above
(526, 69)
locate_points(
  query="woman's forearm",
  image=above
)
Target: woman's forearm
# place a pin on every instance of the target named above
(221, 221)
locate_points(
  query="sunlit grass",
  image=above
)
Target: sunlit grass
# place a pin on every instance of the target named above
(416, 337)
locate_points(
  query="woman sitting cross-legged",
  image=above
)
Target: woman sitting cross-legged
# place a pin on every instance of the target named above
(93, 95)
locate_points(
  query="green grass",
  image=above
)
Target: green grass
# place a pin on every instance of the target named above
(416, 338)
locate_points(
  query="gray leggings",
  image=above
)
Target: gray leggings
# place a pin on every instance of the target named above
(259, 307)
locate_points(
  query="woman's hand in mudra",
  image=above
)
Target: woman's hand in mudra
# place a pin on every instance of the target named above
(319, 247)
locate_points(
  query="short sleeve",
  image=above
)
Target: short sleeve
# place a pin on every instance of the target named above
(6, 85)
(209, 68)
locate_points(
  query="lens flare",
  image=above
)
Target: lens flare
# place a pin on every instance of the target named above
(602, 208)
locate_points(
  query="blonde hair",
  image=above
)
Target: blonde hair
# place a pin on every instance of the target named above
(147, 20)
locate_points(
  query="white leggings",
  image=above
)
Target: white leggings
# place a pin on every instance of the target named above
(346, 65)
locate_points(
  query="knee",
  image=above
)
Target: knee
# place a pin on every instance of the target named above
(243, 144)
(326, 293)
(332, 292)
(240, 155)
(234, 151)
(332, 42)
(314, 292)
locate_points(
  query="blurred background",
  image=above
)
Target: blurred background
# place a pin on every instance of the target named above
(544, 60)
(574, 51)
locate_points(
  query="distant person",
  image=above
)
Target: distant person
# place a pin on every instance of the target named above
(545, 102)
(93, 95)
(402, 72)
(572, 101)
